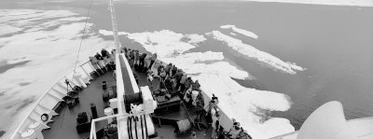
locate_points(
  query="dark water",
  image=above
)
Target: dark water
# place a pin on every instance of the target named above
(334, 43)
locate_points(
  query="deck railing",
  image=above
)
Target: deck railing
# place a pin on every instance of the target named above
(45, 105)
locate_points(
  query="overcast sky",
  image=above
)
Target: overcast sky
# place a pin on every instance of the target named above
(365, 3)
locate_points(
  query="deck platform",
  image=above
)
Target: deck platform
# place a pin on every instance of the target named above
(64, 125)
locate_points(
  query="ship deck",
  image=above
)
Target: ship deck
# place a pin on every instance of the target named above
(64, 124)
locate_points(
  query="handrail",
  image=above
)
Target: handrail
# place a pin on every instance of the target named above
(42, 98)
(93, 122)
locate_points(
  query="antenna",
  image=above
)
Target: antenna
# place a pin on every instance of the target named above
(114, 25)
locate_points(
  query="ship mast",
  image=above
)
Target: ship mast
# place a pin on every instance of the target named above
(115, 26)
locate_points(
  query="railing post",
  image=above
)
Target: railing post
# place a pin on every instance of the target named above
(71, 82)
(94, 131)
(94, 69)
(59, 92)
(52, 112)
(85, 71)
(64, 87)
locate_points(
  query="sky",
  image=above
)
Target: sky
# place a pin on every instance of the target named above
(362, 3)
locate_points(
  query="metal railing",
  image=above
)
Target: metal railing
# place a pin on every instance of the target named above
(119, 117)
(55, 93)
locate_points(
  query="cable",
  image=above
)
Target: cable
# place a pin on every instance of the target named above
(84, 31)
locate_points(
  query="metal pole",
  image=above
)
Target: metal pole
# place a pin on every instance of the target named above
(115, 26)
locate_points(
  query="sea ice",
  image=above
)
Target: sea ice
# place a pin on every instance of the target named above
(241, 31)
(251, 52)
(215, 76)
(8, 29)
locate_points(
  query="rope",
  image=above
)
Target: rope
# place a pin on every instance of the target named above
(84, 32)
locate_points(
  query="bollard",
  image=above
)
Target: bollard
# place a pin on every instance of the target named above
(104, 85)
(94, 111)
(113, 103)
(109, 111)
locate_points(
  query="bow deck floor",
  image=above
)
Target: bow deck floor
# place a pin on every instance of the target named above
(64, 124)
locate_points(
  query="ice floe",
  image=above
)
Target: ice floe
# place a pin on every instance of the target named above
(215, 76)
(241, 31)
(8, 29)
(251, 52)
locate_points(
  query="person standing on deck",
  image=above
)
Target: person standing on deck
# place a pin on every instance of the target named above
(182, 82)
(162, 73)
(112, 55)
(98, 56)
(168, 69)
(112, 59)
(234, 131)
(244, 135)
(178, 76)
(173, 70)
(107, 61)
(196, 85)
(94, 62)
(209, 114)
(131, 58)
(142, 61)
(215, 117)
(199, 106)
(152, 60)
(136, 58)
(212, 104)
(125, 49)
(128, 53)
(104, 53)
(100, 62)
(188, 83)
(188, 98)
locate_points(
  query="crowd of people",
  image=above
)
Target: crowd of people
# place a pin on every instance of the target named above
(167, 81)
(103, 62)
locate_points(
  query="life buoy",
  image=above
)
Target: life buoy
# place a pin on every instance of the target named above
(44, 117)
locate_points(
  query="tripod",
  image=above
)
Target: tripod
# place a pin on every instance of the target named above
(67, 85)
